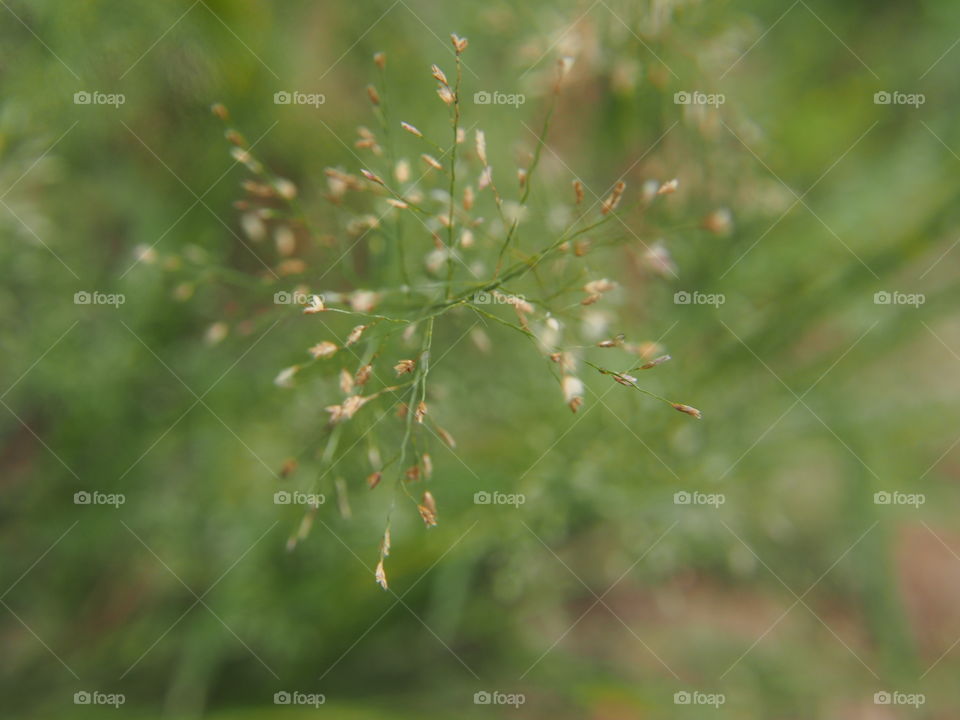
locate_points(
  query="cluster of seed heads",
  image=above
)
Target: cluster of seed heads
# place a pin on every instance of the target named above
(463, 256)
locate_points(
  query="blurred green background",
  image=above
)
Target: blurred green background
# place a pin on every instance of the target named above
(600, 597)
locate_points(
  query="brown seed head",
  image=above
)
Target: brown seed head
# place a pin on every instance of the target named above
(459, 43)
(610, 204)
(404, 366)
(688, 410)
(578, 190)
(411, 129)
(438, 74)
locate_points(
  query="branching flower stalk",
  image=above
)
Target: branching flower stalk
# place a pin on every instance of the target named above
(370, 365)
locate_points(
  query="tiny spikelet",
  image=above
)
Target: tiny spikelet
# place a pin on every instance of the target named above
(372, 177)
(459, 43)
(438, 74)
(431, 161)
(481, 143)
(411, 129)
(669, 187)
(404, 366)
(688, 410)
(373, 479)
(653, 363)
(355, 335)
(719, 222)
(346, 381)
(373, 94)
(339, 413)
(486, 178)
(381, 575)
(286, 189)
(323, 349)
(284, 378)
(447, 437)
(578, 191)
(446, 94)
(427, 463)
(572, 391)
(428, 510)
(421, 412)
(610, 204)
(220, 110)
(380, 59)
(363, 375)
(598, 287)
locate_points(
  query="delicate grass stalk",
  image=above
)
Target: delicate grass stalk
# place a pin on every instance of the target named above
(528, 179)
(453, 171)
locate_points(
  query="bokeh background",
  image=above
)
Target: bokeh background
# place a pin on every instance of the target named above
(599, 597)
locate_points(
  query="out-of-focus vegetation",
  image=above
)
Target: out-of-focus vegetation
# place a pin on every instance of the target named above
(600, 597)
